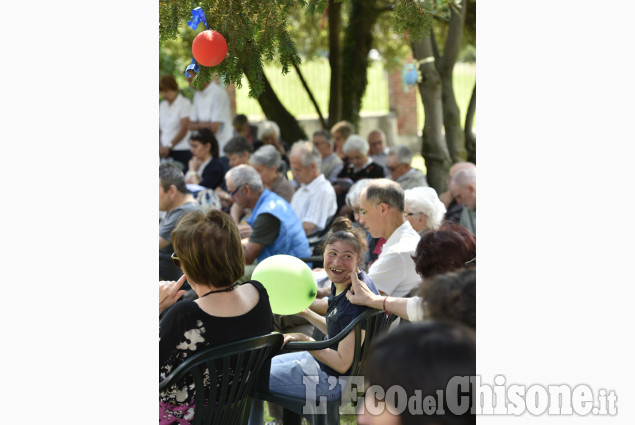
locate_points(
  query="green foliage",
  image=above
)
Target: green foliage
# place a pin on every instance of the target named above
(415, 16)
(253, 30)
(412, 17)
(393, 47)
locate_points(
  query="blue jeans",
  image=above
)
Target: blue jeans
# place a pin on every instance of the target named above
(298, 375)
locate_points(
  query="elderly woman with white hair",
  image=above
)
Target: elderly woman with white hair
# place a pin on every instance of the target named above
(423, 209)
(358, 166)
(267, 160)
(269, 134)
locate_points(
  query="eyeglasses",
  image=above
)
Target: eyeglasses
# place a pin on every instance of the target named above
(411, 213)
(176, 260)
(392, 168)
(235, 191)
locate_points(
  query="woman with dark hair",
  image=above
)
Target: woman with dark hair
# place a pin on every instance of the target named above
(207, 248)
(446, 249)
(451, 296)
(205, 167)
(451, 247)
(343, 249)
(431, 361)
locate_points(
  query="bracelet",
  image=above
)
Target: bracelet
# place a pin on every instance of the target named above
(386, 311)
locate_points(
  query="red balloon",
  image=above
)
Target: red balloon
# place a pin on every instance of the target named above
(209, 48)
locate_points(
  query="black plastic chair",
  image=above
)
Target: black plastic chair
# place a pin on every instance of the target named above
(317, 236)
(375, 323)
(234, 369)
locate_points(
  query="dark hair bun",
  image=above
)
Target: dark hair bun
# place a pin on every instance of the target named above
(342, 223)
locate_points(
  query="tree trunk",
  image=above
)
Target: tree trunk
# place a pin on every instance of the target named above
(358, 41)
(335, 62)
(470, 137)
(433, 149)
(290, 130)
(445, 66)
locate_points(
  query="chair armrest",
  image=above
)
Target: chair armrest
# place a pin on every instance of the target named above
(320, 345)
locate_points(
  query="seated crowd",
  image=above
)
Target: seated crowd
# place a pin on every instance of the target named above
(386, 240)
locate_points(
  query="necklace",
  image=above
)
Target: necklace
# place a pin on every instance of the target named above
(228, 289)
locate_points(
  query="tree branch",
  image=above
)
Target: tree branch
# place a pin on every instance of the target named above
(310, 93)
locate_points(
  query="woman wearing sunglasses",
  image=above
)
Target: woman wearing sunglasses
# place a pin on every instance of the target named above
(207, 248)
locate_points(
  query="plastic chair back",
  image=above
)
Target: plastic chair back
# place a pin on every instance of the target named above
(224, 378)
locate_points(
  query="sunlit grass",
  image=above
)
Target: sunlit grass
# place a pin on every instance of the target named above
(317, 75)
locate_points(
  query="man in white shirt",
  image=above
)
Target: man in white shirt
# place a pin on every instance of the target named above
(211, 109)
(314, 201)
(382, 213)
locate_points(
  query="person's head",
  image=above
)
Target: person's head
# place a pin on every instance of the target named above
(421, 359)
(344, 247)
(237, 149)
(463, 188)
(446, 249)
(398, 161)
(323, 141)
(340, 132)
(305, 161)
(456, 167)
(244, 185)
(241, 124)
(269, 133)
(353, 195)
(356, 148)
(203, 144)
(451, 296)
(168, 88)
(376, 141)
(208, 248)
(172, 186)
(423, 208)
(381, 207)
(266, 160)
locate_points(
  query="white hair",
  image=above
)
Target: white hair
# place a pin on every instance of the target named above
(402, 153)
(355, 191)
(269, 128)
(245, 175)
(357, 143)
(425, 200)
(464, 177)
(266, 155)
(308, 153)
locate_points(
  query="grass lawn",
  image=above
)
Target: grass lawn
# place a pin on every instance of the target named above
(344, 419)
(317, 74)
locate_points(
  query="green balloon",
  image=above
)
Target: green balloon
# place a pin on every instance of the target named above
(289, 282)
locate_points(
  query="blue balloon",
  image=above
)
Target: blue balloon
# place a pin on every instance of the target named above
(411, 76)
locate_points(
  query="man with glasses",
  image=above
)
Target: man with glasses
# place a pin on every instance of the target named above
(176, 201)
(378, 150)
(331, 164)
(275, 228)
(463, 190)
(398, 164)
(382, 213)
